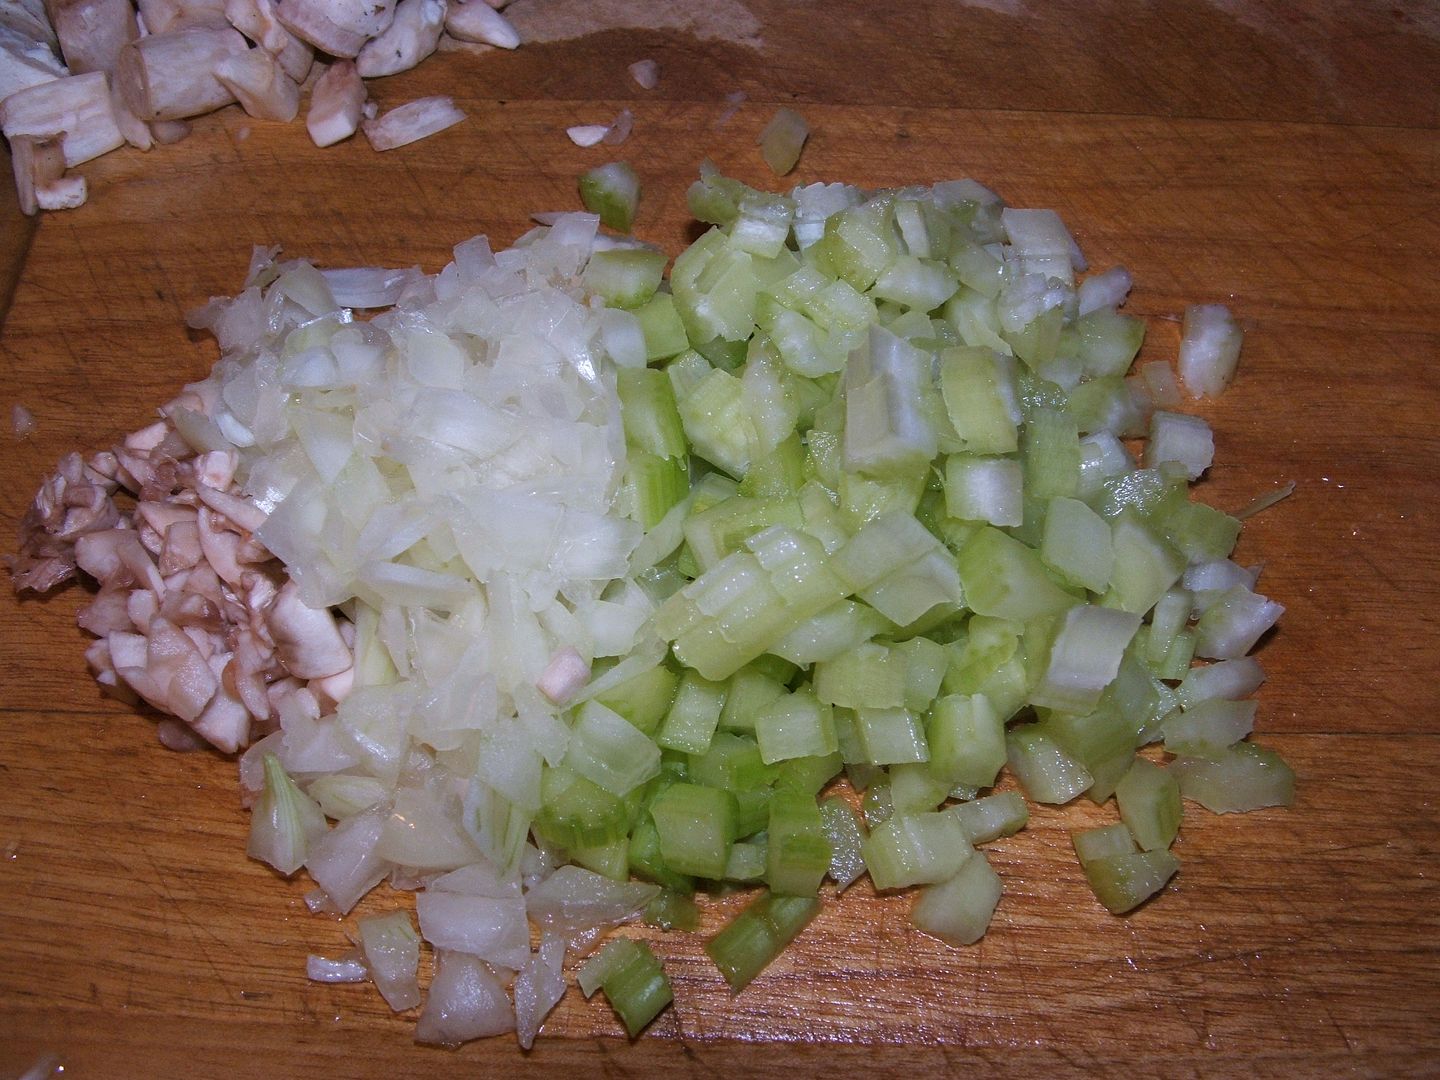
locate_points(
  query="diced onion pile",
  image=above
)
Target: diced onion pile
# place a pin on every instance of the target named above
(566, 590)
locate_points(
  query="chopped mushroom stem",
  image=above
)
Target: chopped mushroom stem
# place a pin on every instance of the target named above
(37, 161)
(412, 37)
(92, 33)
(260, 85)
(475, 20)
(338, 27)
(76, 107)
(172, 76)
(335, 104)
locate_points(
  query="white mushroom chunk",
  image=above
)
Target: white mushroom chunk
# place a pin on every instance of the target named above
(338, 27)
(306, 639)
(66, 193)
(92, 32)
(26, 62)
(412, 121)
(37, 161)
(260, 85)
(76, 107)
(475, 20)
(412, 37)
(167, 16)
(335, 104)
(256, 20)
(136, 132)
(167, 132)
(172, 76)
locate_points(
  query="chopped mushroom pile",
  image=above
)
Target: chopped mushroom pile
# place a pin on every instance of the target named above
(79, 78)
(193, 615)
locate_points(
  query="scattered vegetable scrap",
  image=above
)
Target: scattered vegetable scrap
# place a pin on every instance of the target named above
(567, 590)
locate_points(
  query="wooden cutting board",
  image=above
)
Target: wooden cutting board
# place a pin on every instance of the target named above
(1280, 158)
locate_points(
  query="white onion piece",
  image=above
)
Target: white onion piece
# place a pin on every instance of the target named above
(646, 74)
(574, 899)
(1177, 437)
(466, 1001)
(539, 986)
(369, 286)
(344, 862)
(392, 955)
(22, 421)
(492, 928)
(587, 134)
(349, 968)
(1210, 342)
(411, 122)
(620, 129)
(1108, 289)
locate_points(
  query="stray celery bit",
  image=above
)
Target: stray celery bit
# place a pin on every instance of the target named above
(757, 935)
(613, 192)
(782, 140)
(634, 982)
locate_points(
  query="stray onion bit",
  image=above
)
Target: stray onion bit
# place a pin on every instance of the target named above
(1264, 502)
(733, 101)
(411, 122)
(22, 421)
(620, 129)
(587, 134)
(782, 140)
(646, 74)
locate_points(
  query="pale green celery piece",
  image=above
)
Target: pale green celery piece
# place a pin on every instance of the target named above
(1103, 457)
(1076, 544)
(798, 856)
(779, 474)
(782, 139)
(609, 751)
(715, 198)
(1104, 842)
(958, 910)
(876, 804)
(967, 740)
(656, 484)
(992, 816)
(747, 862)
(1045, 770)
(717, 422)
(662, 327)
(763, 223)
(915, 849)
(1085, 658)
(916, 788)
(733, 763)
(976, 320)
(1108, 406)
(887, 428)
(613, 192)
(1145, 566)
(891, 736)
(859, 244)
(648, 411)
(1176, 661)
(748, 694)
(843, 830)
(1050, 452)
(1124, 882)
(795, 726)
(1003, 577)
(839, 309)
(1208, 727)
(1169, 616)
(809, 774)
(685, 372)
(869, 676)
(673, 910)
(625, 278)
(696, 826)
(976, 400)
(714, 286)
(1108, 341)
(758, 935)
(1094, 739)
(634, 982)
(925, 663)
(863, 499)
(918, 284)
(907, 595)
(610, 860)
(915, 230)
(284, 821)
(1233, 623)
(643, 699)
(1038, 342)
(722, 529)
(987, 489)
(1108, 774)
(694, 714)
(836, 630)
(1149, 801)
(1241, 777)
(1140, 491)
(1227, 679)
(882, 546)
(1199, 532)
(978, 269)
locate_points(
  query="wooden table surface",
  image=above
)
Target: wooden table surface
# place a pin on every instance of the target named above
(1279, 157)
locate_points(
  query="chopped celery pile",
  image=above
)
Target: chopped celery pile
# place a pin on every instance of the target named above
(644, 579)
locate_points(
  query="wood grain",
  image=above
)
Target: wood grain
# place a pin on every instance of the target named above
(1284, 161)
